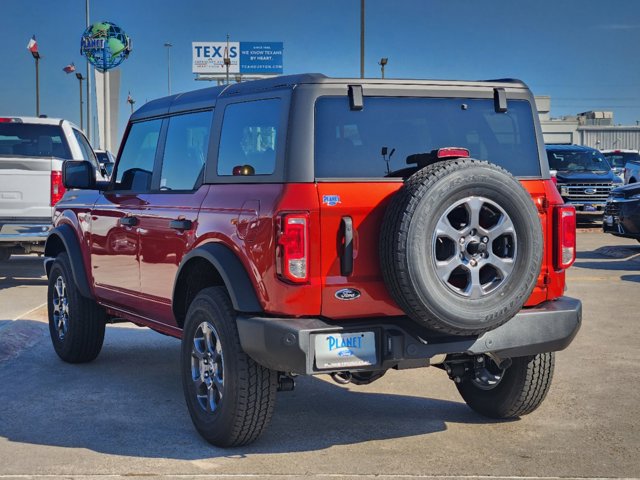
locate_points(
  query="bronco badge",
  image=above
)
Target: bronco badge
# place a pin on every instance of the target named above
(347, 294)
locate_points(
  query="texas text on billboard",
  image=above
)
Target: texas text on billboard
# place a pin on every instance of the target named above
(245, 57)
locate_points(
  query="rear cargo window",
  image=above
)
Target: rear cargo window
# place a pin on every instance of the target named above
(32, 140)
(350, 143)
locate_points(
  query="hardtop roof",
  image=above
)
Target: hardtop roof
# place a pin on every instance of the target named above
(206, 97)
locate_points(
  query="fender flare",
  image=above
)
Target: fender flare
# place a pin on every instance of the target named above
(233, 274)
(66, 235)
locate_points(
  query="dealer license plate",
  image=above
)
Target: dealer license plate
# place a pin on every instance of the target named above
(345, 350)
(590, 208)
(608, 220)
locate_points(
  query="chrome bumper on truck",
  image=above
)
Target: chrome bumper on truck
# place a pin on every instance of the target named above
(300, 345)
(25, 231)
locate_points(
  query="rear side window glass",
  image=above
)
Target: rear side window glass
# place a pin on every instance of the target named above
(350, 143)
(620, 159)
(249, 138)
(135, 167)
(185, 151)
(32, 140)
(85, 148)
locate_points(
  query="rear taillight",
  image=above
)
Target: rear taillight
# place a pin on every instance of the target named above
(293, 247)
(565, 252)
(57, 188)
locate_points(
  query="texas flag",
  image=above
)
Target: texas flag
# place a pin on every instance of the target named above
(69, 68)
(32, 46)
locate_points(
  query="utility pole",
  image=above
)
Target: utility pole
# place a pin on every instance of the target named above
(168, 45)
(80, 78)
(362, 38)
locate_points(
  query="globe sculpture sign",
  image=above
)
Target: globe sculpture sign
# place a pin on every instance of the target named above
(105, 45)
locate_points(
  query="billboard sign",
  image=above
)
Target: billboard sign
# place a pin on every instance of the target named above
(208, 57)
(261, 57)
(258, 58)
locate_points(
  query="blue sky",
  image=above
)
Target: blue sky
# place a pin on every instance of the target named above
(584, 53)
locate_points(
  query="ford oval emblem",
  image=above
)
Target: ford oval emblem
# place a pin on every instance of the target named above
(347, 294)
(590, 191)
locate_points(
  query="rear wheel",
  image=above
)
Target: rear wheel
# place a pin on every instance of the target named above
(229, 396)
(510, 393)
(76, 323)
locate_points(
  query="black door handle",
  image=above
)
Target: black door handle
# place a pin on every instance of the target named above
(129, 221)
(181, 224)
(346, 259)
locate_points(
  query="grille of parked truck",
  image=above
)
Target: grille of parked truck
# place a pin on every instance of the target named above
(584, 177)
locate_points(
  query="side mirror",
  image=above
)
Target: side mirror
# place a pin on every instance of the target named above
(78, 174)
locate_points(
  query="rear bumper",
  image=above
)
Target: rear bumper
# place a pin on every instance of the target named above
(24, 231)
(288, 344)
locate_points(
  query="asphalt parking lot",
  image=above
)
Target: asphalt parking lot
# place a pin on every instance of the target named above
(124, 415)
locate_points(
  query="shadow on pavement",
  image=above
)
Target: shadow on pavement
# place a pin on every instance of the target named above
(22, 270)
(614, 258)
(129, 402)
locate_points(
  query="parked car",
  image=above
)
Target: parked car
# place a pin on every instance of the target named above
(32, 151)
(620, 160)
(584, 177)
(304, 225)
(622, 213)
(106, 161)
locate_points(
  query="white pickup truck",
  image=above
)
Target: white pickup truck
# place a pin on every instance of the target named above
(32, 151)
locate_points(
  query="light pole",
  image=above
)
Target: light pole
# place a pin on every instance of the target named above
(88, 77)
(168, 46)
(80, 78)
(383, 62)
(361, 38)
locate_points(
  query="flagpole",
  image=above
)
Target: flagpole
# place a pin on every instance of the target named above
(37, 58)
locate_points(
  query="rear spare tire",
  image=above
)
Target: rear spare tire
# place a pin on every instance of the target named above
(461, 246)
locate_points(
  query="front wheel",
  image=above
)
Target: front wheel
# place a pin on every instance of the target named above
(76, 323)
(510, 393)
(229, 396)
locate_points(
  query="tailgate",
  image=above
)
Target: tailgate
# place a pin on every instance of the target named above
(360, 292)
(25, 187)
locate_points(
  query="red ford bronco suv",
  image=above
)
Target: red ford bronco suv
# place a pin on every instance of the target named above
(305, 225)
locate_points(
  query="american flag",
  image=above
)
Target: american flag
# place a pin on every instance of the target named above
(69, 68)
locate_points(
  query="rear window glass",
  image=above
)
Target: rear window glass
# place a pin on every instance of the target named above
(29, 140)
(619, 159)
(351, 143)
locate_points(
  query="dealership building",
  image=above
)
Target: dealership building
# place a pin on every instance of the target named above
(592, 129)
